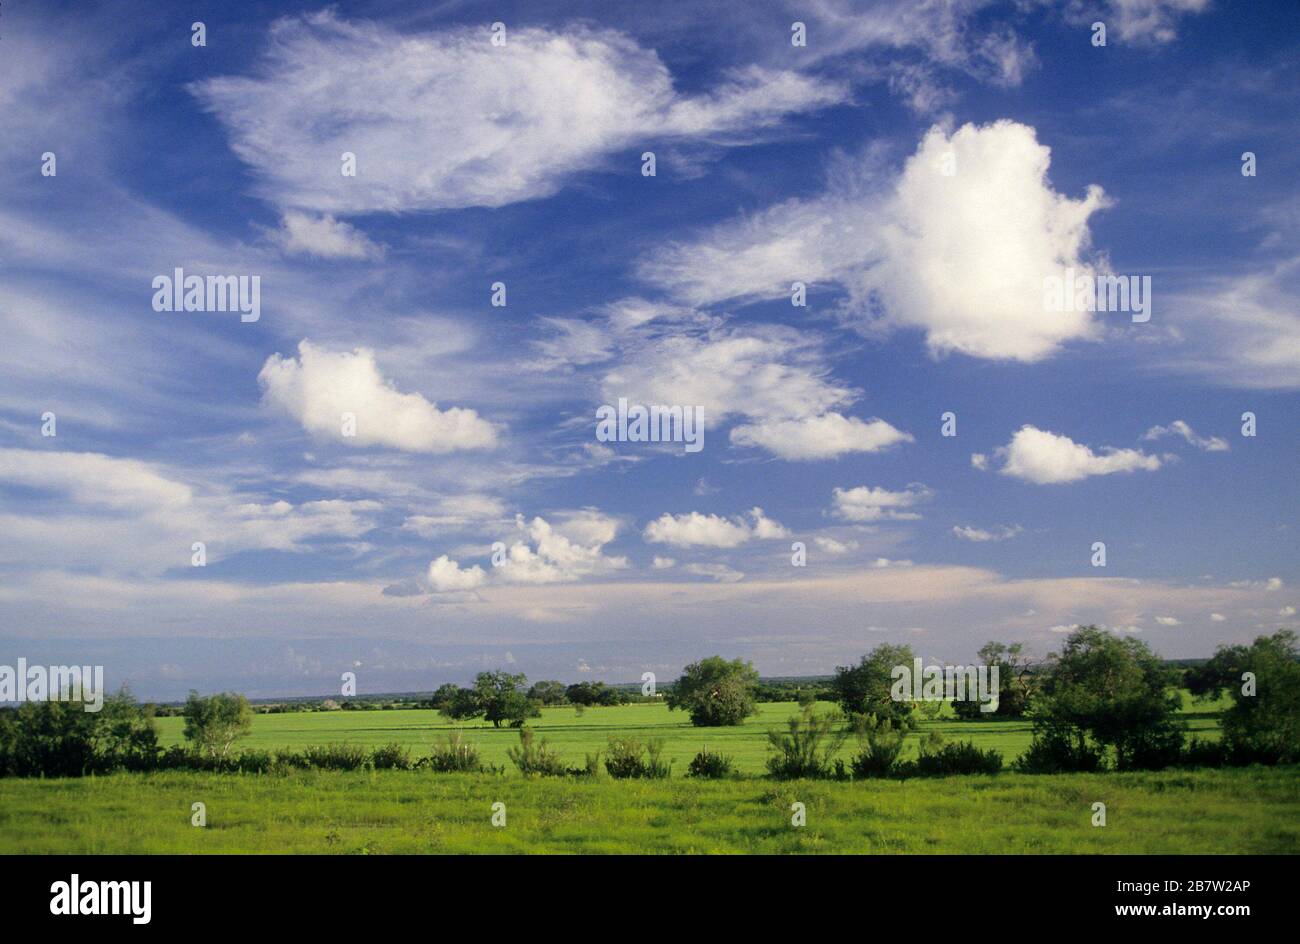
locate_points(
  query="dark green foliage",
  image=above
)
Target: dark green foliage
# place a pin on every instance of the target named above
(864, 689)
(709, 765)
(336, 757)
(630, 758)
(391, 756)
(1053, 752)
(1263, 724)
(214, 722)
(1013, 683)
(592, 693)
(715, 692)
(549, 694)
(879, 745)
(453, 753)
(937, 759)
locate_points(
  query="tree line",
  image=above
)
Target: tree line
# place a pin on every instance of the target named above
(1102, 702)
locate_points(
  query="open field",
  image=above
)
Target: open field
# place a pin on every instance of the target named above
(574, 736)
(1254, 810)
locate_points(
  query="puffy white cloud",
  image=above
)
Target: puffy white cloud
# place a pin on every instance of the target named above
(1045, 458)
(447, 119)
(832, 546)
(962, 255)
(550, 555)
(1169, 621)
(865, 503)
(323, 236)
(320, 386)
(698, 530)
(447, 576)
(1180, 428)
(819, 437)
(968, 533)
(1217, 617)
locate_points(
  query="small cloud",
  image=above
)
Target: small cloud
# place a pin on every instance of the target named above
(832, 546)
(323, 237)
(1179, 428)
(1168, 621)
(1045, 458)
(664, 563)
(967, 533)
(719, 572)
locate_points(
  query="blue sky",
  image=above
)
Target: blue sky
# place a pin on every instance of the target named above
(922, 168)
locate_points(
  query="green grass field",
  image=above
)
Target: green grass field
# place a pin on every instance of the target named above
(1253, 810)
(574, 736)
(1250, 810)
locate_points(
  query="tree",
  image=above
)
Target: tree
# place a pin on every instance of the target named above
(591, 693)
(213, 723)
(1102, 692)
(502, 697)
(549, 693)
(1263, 723)
(62, 739)
(1013, 683)
(716, 692)
(443, 696)
(460, 704)
(864, 689)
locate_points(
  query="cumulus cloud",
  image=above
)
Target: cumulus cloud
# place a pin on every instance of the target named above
(320, 386)
(1045, 458)
(958, 245)
(865, 503)
(1180, 428)
(1169, 621)
(698, 530)
(324, 237)
(568, 551)
(819, 437)
(447, 576)
(832, 546)
(448, 119)
(967, 533)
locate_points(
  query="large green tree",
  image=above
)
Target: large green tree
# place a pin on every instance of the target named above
(864, 689)
(715, 692)
(214, 722)
(1013, 683)
(504, 699)
(1106, 692)
(1263, 680)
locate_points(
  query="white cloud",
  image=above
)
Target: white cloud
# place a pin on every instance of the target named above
(1045, 458)
(550, 555)
(1217, 617)
(1143, 21)
(457, 512)
(447, 119)
(819, 437)
(880, 563)
(865, 503)
(446, 575)
(1180, 428)
(968, 533)
(698, 530)
(1169, 621)
(961, 256)
(325, 237)
(320, 386)
(1272, 583)
(719, 572)
(832, 546)
(664, 563)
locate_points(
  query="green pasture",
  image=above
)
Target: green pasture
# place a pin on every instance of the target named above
(1250, 810)
(575, 735)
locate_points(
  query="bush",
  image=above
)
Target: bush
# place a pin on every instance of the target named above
(879, 744)
(1055, 753)
(715, 692)
(709, 765)
(806, 749)
(624, 759)
(1199, 753)
(391, 756)
(337, 757)
(534, 758)
(937, 759)
(453, 754)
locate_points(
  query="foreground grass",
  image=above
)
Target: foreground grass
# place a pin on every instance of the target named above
(1253, 810)
(574, 735)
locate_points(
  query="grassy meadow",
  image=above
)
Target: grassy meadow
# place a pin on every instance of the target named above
(1250, 810)
(575, 735)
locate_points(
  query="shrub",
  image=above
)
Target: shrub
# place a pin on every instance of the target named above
(937, 759)
(391, 756)
(1053, 752)
(1263, 724)
(879, 744)
(214, 722)
(534, 758)
(453, 754)
(709, 765)
(1199, 753)
(806, 749)
(337, 757)
(624, 759)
